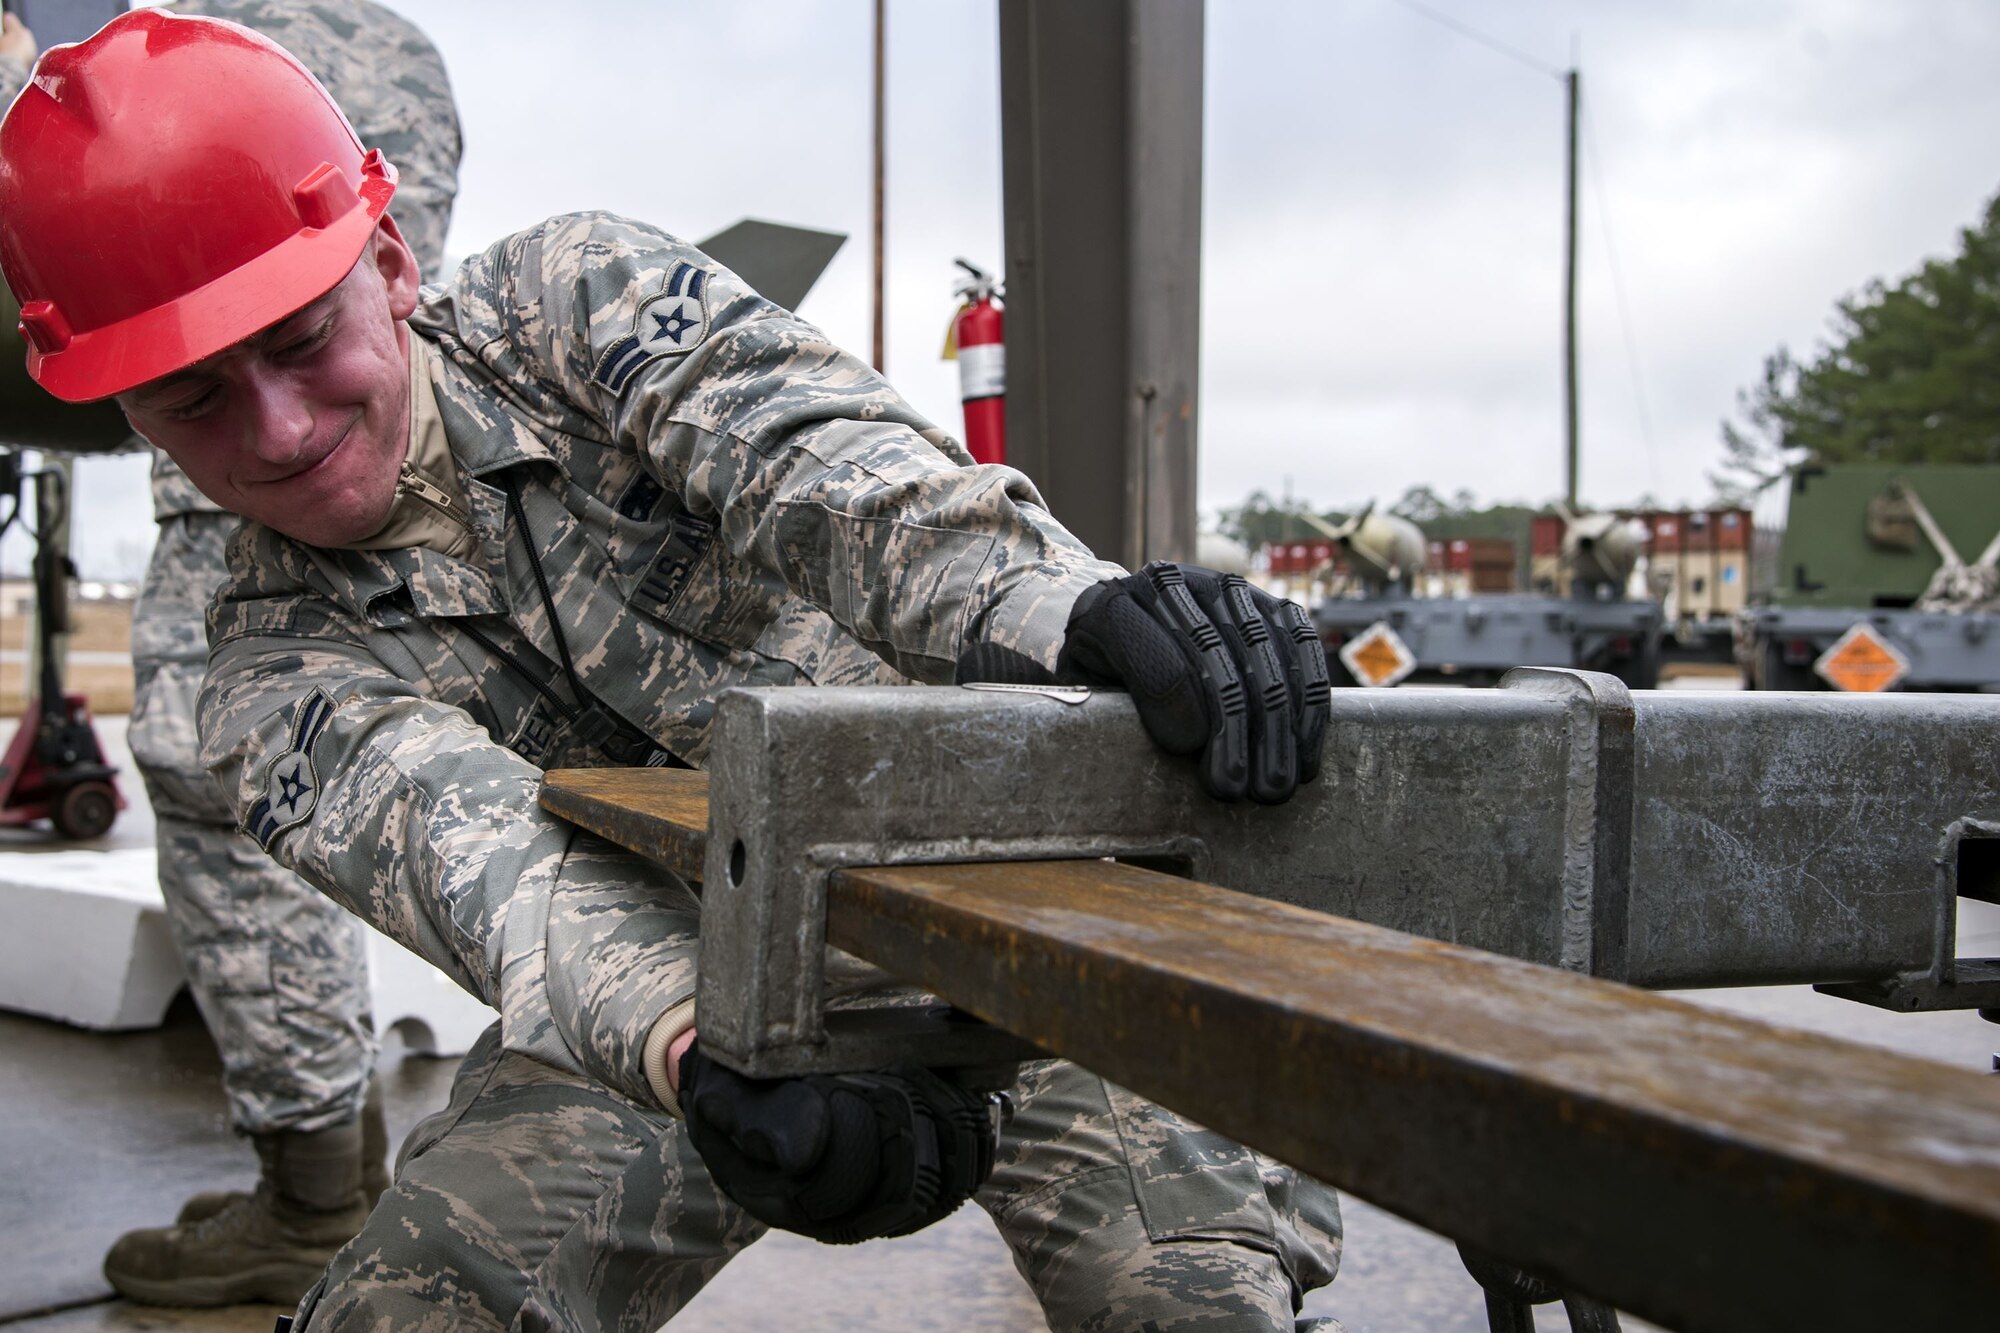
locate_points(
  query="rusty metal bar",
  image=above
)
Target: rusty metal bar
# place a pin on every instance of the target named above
(660, 813)
(1700, 1169)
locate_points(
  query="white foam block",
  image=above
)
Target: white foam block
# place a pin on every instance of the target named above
(86, 942)
(427, 1008)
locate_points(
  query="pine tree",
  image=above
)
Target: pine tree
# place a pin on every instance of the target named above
(1911, 374)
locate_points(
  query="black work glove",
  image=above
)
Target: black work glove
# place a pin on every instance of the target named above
(1217, 669)
(841, 1158)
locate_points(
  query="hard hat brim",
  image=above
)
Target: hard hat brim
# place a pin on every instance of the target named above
(173, 336)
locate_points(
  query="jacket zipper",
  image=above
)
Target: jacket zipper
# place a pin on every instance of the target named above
(428, 492)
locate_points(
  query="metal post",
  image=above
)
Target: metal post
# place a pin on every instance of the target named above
(51, 578)
(1101, 153)
(880, 173)
(1573, 84)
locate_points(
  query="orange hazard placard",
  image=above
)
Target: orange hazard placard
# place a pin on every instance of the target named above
(1862, 662)
(1378, 656)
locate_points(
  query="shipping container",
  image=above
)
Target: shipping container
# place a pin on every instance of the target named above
(1545, 573)
(1297, 557)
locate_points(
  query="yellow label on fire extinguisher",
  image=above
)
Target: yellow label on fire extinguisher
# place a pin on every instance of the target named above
(950, 352)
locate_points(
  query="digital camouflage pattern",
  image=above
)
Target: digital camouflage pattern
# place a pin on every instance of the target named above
(278, 970)
(1120, 1216)
(716, 496)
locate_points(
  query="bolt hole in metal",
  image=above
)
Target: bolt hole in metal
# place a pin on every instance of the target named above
(1179, 866)
(737, 859)
(1979, 867)
(1979, 878)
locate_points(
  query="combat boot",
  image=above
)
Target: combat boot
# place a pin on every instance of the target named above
(269, 1245)
(374, 1165)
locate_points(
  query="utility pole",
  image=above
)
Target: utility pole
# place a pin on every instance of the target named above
(1573, 83)
(881, 104)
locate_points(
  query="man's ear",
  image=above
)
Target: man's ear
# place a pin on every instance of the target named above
(397, 266)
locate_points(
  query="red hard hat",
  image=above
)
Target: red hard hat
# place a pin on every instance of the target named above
(168, 188)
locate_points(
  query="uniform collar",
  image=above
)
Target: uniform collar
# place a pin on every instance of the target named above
(484, 436)
(392, 584)
(429, 509)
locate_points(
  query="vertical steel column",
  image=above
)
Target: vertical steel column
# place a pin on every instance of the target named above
(1101, 111)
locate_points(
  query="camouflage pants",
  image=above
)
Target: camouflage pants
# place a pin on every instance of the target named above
(537, 1201)
(277, 969)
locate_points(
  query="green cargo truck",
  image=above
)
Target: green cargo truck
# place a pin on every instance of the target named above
(1860, 579)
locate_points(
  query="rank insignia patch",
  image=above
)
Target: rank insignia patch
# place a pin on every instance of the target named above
(670, 323)
(291, 784)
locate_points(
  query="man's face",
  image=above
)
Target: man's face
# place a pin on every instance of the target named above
(302, 426)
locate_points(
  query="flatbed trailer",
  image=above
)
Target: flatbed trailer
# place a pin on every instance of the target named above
(1476, 640)
(1777, 646)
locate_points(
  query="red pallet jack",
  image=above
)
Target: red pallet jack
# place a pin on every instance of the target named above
(54, 768)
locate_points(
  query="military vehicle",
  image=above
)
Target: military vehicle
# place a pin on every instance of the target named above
(37, 420)
(1858, 581)
(1378, 632)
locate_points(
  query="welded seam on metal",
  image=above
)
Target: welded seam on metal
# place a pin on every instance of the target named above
(1597, 814)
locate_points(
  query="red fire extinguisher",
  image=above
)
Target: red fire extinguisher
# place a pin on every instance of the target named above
(978, 342)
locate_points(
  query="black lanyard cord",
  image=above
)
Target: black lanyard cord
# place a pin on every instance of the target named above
(542, 583)
(596, 725)
(514, 664)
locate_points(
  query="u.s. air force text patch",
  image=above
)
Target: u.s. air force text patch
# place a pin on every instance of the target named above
(670, 322)
(291, 784)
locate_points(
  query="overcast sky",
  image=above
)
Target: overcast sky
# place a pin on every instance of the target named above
(1383, 220)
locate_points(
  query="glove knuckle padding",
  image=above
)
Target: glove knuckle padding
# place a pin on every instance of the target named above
(1274, 770)
(1312, 689)
(1188, 596)
(893, 1151)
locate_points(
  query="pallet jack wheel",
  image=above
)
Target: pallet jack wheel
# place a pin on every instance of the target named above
(85, 810)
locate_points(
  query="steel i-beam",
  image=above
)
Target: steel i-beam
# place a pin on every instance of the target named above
(1665, 839)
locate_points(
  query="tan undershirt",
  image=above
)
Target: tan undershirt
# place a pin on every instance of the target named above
(430, 505)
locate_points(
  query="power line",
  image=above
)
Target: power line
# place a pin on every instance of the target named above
(1624, 310)
(1473, 34)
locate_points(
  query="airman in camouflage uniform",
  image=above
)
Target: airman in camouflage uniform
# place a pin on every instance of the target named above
(714, 495)
(278, 971)
(626, 483)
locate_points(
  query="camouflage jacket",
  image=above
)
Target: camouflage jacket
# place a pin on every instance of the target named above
(391, 82)
(715, 495)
